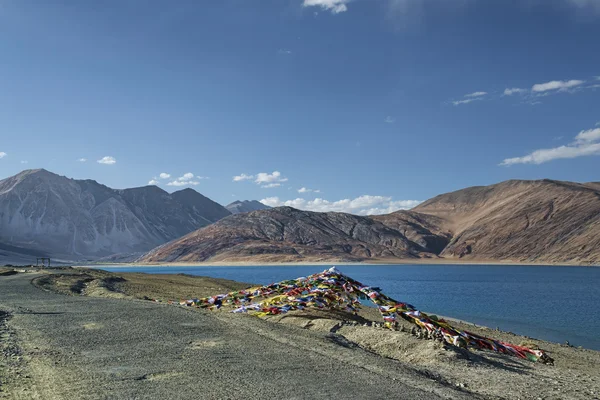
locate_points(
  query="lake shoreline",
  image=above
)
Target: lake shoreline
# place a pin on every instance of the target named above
(378, 262)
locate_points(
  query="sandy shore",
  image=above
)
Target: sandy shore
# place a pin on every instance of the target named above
(400, 356)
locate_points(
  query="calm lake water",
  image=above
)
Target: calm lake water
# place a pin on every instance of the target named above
(551, 303)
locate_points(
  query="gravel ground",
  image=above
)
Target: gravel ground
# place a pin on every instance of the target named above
(79, 347)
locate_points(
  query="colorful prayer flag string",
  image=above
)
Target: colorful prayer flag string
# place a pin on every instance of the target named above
(331, 289)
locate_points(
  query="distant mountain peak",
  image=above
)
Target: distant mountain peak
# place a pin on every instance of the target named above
(186, 190)
(83, 218)
(243, 206)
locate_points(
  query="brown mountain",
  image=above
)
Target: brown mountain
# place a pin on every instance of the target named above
(514, 221)
(541, 221)
(287, 234)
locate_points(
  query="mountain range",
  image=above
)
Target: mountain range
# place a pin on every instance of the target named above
(46, 214)
(514, 221)
(544, 221)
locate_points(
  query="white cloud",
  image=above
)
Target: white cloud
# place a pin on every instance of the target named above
(598, 123)
(469, 98)
(164, 175)
(556, 85)
(363, 205)
(108, 160)
(588, 136)
(182, 183)
(242, 177)
(184, 180)
(153, 182)
(335, 6)
(284, 51)
(307, 190)
(202, 177)
(467, 101)
(511, 91)
(389, 119)
(265, 177)
(587, 143)
(82, 159)
(304, 190)
(409, 12)
(24, 161)
(3, 154)
(476, 94)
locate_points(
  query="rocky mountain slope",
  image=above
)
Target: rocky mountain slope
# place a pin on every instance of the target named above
(244, 206)
(77, 219)
(287, 234)
(513, 221)
(541, 221)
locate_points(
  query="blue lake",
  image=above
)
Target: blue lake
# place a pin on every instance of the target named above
(551, 303)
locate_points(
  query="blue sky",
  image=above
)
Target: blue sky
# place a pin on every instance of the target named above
(369, 105)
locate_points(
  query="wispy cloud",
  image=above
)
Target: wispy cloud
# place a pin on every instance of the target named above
(186, 180)
(530, 96)
(586, 143)
(363, 205)
(511, 91)
(476, 94)
(335, 6)
(589, 136)
(469, 98)
(271, 185)
(556, 85)
(389, 119)
(82, 159)
(284, 51)
(467, 101)
(24, 161)
(3, 154)
(307, 190)
(242, 177)
(414, 8)
(108, 160)
(264, 179)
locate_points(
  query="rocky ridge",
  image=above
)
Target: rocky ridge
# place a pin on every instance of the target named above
(541, 221)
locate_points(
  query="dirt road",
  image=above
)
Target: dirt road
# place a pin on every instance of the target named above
(69, 347)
